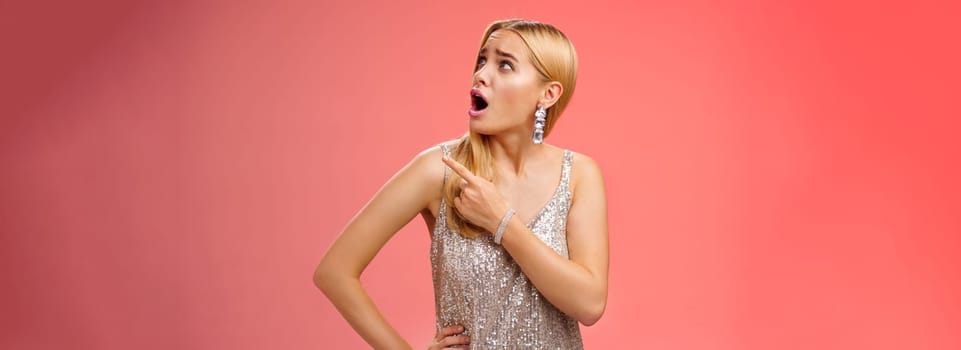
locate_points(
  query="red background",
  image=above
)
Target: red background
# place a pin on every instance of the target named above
(781, 175)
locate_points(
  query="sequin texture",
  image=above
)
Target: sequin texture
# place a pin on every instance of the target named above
(478, 285)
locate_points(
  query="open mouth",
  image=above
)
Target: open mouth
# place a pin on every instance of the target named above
(477, 101)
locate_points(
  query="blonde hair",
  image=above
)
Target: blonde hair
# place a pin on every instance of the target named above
(553, 55)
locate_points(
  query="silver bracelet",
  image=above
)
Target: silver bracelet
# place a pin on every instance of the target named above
(503, 226)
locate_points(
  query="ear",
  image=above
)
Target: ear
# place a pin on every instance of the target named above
(551, 93)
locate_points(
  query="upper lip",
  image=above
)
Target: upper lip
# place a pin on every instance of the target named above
(477, 92)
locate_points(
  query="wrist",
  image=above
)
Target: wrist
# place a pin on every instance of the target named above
(502, 225)
(495, 220)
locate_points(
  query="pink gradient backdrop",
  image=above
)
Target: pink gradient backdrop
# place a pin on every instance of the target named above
(780, 176)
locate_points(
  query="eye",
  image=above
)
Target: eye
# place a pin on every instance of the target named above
(480, 62)
(506, 65)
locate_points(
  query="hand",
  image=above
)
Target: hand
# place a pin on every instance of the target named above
(479, 201)
(447, 336)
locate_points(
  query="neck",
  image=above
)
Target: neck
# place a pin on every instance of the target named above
(512, 152)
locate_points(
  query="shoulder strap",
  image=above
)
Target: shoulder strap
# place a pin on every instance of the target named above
(566, 170)
(442, 215)
(444, 147)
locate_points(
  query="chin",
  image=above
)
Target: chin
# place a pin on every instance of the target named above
(477, 127)
(481, 131)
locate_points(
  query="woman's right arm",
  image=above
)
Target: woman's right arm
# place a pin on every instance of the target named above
(338, 275)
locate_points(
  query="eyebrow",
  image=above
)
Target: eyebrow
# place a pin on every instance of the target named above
(501, 53)
(505, 54)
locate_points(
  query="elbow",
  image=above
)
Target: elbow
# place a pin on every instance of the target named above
(590, 315)
(333, 274)
(320, 277)
(324, 277)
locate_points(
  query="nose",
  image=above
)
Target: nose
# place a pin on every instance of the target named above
(480, 76)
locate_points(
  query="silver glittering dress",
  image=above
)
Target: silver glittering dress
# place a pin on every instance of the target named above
(478, 285)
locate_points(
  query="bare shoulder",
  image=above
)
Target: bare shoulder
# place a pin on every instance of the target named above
(428, 166)
(584, 167)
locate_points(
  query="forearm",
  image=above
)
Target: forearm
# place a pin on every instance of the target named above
(356, 306)
(569, 286)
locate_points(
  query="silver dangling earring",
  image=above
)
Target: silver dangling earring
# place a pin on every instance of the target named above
(540, 119)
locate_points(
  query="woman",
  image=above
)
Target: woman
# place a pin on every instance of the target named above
(509, 270)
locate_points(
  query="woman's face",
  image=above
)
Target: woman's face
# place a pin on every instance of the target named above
(506, 86)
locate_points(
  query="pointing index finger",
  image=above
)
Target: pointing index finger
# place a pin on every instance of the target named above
(459, 169)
